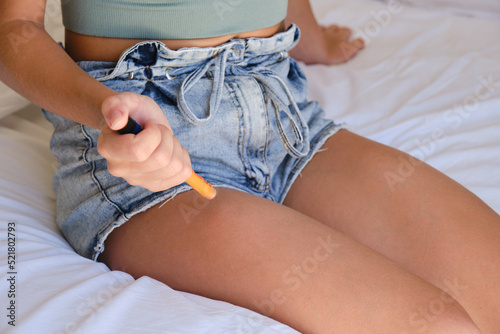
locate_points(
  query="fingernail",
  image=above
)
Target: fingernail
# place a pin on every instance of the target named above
(114, 118)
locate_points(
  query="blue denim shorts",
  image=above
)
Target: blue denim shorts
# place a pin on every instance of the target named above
(247, 96)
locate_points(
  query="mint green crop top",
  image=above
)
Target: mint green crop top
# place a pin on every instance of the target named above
(170, 19)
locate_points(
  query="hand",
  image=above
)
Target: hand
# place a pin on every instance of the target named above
(152, 159)
(327, 45)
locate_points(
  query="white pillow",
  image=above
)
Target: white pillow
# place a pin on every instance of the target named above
(11, 101)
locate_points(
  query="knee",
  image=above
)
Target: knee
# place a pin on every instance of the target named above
(454, 320)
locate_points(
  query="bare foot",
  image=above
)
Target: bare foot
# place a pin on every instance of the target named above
(329, 46)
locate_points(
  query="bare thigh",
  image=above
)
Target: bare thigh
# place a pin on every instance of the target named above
(409, 212)
(269, 258)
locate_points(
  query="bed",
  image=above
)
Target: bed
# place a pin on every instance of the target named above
(428, 83)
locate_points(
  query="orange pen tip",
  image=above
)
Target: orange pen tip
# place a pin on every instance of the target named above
(211, 195)
(204, 188)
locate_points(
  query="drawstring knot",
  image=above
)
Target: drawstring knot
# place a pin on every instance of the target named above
(280, 100)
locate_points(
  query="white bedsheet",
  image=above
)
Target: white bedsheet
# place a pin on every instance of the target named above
(428, 83)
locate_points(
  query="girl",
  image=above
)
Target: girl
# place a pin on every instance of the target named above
(215, 90)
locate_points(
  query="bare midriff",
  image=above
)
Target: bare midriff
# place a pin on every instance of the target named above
(84, 47)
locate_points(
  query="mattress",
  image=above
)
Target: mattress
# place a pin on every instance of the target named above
(428, 83)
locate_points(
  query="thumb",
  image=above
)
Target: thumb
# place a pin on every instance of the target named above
(115, 115)
(116, 119)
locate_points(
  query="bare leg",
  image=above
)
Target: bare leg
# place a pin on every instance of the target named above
(411, 213)
(276, 261)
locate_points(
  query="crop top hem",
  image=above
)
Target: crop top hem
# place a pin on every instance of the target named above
(184, 19)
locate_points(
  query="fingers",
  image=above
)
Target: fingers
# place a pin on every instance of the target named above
(153, 159)
(129, 147)
(117, 108)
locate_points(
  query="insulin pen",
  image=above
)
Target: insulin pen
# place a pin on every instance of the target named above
(204, 188)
